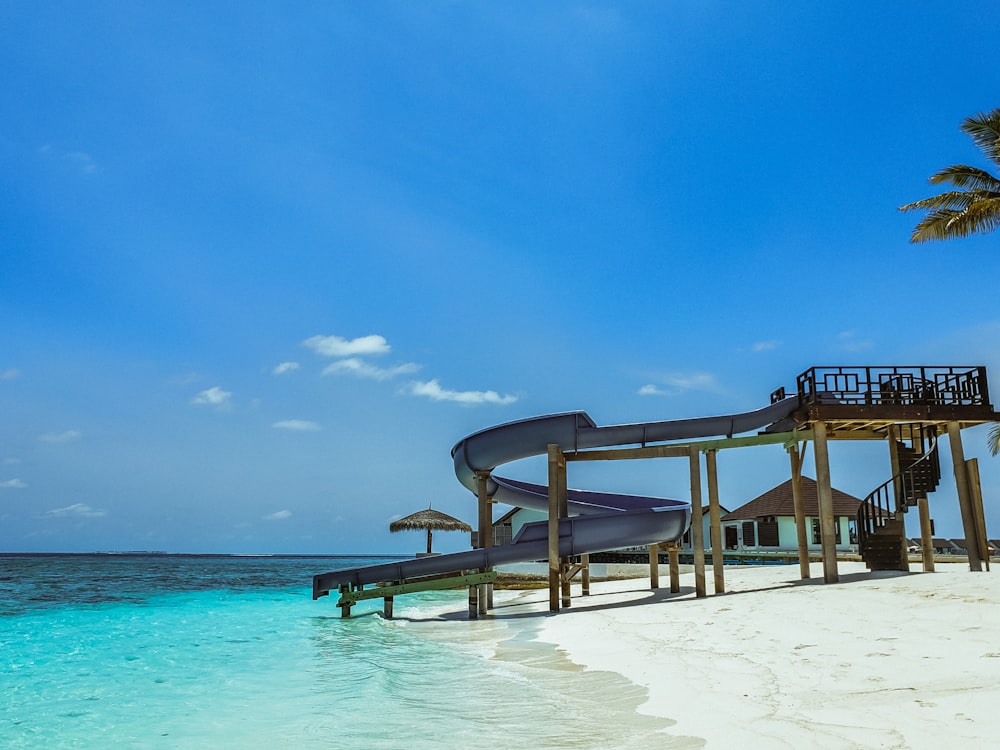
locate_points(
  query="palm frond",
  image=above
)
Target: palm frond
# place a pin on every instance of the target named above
(964, 176)
(993, 439)
(984, 129)
(954, 199)
(934, 226)
(980, 217)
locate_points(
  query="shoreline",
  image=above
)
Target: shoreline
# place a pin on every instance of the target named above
(883, 659)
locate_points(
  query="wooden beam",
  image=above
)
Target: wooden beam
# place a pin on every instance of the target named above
(677, 450)
(715, 523)
(964, 496)
(624, 454)
(431, 583)
(557, 474)
(976, 493)
(697, 529)
(824, 490)
(801, 532)
(926, 536)
(654, 566)
(485, 596)
(673, 556)
(892, 435)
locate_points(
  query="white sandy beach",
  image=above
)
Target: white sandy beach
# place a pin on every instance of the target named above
(879, 660)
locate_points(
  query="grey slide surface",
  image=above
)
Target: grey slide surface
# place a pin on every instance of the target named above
(599, 521)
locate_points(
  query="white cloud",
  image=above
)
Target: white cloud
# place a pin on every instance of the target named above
(433, 390)
(675, 383)
(362, 369)
(213, 396)
(84, 161)
(285, 367)
(60, 437)
(10, 374)
(335, 346)
(76, 510)
(12, 484)
(765, 346)
(850, 343)
(296, 424)
(280, 515)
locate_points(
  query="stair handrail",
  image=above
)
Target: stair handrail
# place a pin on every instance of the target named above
(875, 510)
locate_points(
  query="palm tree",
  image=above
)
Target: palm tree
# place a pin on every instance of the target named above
(975, 205)
(993, 439)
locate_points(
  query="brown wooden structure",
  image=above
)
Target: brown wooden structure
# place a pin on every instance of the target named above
(908, 407)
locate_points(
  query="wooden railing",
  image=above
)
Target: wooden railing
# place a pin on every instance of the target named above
(947, 386)
(893, 496)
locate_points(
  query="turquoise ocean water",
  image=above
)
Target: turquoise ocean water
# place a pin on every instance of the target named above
(164, 651)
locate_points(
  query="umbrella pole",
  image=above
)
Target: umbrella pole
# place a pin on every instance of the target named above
(428, 541)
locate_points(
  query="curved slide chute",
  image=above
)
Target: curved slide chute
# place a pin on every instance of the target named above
(599, 521)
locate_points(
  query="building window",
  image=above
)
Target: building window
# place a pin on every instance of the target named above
(817, 539)
(749, 535)
(767, 532)
(502, 534)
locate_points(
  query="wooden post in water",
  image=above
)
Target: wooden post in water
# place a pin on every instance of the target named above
(585, 575)
(926, 536)
(474, 602)
(485, 535)
(824, 490)
(387, 607)
(715, 523)
(697, 528)
(557, 474)
(964, 496)
(801, 533)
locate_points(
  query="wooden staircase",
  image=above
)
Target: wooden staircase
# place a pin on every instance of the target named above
(880, 521)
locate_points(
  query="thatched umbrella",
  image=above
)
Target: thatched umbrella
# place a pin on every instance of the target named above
(429, 519)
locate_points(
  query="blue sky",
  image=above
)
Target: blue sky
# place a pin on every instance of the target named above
(263, 265)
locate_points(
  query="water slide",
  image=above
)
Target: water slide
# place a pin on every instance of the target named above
(599, 521)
